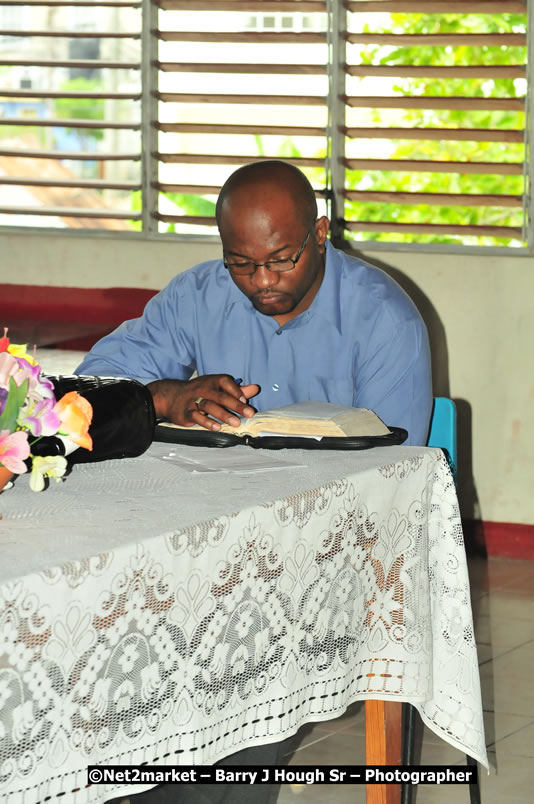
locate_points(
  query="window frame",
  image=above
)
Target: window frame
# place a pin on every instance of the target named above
(337, 15)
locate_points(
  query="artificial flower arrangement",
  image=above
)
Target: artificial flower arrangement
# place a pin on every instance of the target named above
(29, 411)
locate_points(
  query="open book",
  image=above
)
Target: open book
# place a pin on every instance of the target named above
(308, 419)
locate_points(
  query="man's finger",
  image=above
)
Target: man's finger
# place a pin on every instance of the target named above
(222, 409)
(204, 421)
(250, 390)
(236, 389)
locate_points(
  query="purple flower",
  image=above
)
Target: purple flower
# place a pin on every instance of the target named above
(38, 387)
(38, 416)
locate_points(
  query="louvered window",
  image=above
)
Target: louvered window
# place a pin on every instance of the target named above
(434, 136)
(237, 81)
(70, 113)
(408, 116)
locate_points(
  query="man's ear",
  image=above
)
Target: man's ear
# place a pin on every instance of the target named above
(322, 226)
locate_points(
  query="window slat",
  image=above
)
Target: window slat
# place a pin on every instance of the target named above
(469, 134)
(92, 184)
(258, 38)
(196, 220)
(74, 3)
(224, 128)
(426, 71)
(189, 189)
(77, 155)
(429, 166)
(71, 212)
(71, 64)
(427, 102)
(244, 5)
(436, 199)
(68, 123)
(28, 93)
(437, 6)
(196, 189)
(429, 40)
(435, 228)
(231, 159)
(250, 69)
(70, 34)
(272, 100)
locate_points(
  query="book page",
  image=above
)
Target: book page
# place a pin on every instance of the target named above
(314, 419)
(309, 418)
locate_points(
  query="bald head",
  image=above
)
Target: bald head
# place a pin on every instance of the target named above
(264, 185)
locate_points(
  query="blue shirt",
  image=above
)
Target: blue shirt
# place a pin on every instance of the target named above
(361, 342)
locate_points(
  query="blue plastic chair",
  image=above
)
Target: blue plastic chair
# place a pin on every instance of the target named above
(443, 435)
(443, 431)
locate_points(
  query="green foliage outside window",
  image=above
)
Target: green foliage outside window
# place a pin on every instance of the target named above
(465, 151)
(82, 108)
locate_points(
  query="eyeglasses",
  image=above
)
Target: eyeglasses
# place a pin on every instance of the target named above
(278, 266)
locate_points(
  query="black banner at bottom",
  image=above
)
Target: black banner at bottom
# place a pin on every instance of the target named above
(274, 774)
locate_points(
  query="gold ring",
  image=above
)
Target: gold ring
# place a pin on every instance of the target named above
(198, 400)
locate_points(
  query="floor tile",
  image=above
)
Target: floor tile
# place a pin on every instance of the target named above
(321, 793)
(331, 750)
(510, 784)
(513, 604)
(500, 726)
(352, 720)
(339, 748)
(501, 633)
(519, 743)
(509, 574)
(507, 683)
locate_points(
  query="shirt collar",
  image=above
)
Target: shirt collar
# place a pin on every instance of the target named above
(234, 295)
(326, 303)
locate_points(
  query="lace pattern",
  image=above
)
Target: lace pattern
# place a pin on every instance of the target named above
(197, 641)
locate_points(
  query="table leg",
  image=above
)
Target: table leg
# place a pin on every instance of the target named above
(383, 722)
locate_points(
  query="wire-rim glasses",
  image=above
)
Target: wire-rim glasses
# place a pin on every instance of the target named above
(278, 266)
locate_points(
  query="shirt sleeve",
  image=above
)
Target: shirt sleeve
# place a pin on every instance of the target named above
(395, 380)
(155, 346)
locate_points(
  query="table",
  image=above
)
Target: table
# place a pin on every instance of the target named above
(149, 614)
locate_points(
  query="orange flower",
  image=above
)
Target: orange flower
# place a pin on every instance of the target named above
(75, 414)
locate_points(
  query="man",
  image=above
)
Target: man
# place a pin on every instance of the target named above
(295, 319)
(285, 311)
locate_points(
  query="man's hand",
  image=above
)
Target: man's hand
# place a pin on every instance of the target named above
(202, 400)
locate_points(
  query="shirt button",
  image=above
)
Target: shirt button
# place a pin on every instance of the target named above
(279, 331)
(276, 386)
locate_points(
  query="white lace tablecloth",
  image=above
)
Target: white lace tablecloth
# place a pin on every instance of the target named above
(151, 615)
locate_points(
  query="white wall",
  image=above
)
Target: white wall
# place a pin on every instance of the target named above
(480, 314)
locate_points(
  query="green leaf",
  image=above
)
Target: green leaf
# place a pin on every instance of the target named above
(463, 151)
(15, 400)
(193, 204)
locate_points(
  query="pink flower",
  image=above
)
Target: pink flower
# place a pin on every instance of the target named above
(14, 449)
(9, 367)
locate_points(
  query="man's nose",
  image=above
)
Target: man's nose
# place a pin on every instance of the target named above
(264, 278)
